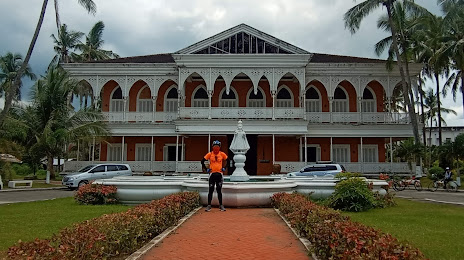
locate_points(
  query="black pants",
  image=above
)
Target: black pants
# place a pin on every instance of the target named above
(215, 179)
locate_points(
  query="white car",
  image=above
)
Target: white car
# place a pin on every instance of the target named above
(319, 170)
(94, 172)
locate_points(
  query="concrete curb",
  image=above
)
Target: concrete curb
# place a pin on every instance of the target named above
(33, 189)
(147, 247)
(303, 240)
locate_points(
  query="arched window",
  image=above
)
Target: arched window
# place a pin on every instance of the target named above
(117, 103)
(313, 100)
(200, 98)
(170, 102)
(340, 103)
(144, 102)
(228, 100)
(256, 100)
(368, 101)
(284, 98)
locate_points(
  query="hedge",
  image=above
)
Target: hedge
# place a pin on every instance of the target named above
(111, 235)
(334, 236)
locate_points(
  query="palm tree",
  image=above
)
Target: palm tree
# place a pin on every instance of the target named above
(353, 18)
(89, 5)
(437, 64)
(91, 49)
(9, 67)
(64, 44)
(56, 123)
(431, 103)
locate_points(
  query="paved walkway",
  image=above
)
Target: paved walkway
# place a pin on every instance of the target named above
(257, 233)
(24, 195)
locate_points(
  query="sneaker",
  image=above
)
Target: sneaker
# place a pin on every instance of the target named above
(222, 208)
(208, 208)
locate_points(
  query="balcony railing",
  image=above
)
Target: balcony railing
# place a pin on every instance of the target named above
(195, 166)
(259, 113)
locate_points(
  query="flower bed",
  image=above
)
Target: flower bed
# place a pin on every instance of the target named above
(334, 236)
(110, 235)
(96, 194)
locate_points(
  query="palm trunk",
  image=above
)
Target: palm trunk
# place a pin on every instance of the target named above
(440, 142)
(50, 167)
(10, 93)
(421, 93)
(462, 88)
(412, 114)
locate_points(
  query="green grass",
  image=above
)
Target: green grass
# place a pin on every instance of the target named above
(436, 229)
(40, 219)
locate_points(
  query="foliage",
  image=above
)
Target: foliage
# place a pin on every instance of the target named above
(21, 169)
(96, 194)
(436, 173)
(92, 48)
(384, 201)
(334, 236)
(347, 175)
(9, 66)
(352, 194)
(6, 172)
(112, 235)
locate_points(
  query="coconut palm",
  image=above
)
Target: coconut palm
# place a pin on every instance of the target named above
(56, 123)
(64, 44)
(353, 18)
(92, 48)
(431, 104)
(89, 5)
(9, 67)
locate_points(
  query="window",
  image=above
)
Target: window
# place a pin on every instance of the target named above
(100, 168)
(228, 100)
(169, 152)
(341, 153)
(368, 102)
(123, 167)
(284, 98)
(313, 101)
(170, 102)
(111, 168)
(200, 98)
(369, 153)
(256, 100)
(117, 102)
(143, 152)
(114, 152)
(340, 102)
(314, 153)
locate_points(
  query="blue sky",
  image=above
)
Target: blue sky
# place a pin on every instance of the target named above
(142, 27)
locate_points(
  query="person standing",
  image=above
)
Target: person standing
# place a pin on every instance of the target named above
(448, 177)
(217, 166)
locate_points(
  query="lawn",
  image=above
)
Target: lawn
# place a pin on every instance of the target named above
(41, 219)
(436, 229)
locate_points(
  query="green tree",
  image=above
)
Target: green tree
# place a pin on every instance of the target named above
(431, 104)
(10, 64)
(353, 18)
(56, 123)
(92, 48)
(409, 151)
(65, 43)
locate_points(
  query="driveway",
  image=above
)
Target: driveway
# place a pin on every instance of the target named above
(7, 197)
(439, 196)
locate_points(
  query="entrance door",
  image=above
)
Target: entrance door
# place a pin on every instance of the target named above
(251, 163)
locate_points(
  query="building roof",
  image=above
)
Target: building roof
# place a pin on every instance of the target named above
(156, 58)
(330, 58)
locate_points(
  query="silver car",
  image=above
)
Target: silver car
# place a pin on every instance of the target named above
(94, 172)
(319, 170)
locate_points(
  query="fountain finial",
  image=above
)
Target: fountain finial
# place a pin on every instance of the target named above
(239, 146)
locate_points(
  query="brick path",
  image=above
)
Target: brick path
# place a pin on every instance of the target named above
(234, 234)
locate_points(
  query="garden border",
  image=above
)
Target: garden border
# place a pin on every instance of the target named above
(143, 250)
(306, 243)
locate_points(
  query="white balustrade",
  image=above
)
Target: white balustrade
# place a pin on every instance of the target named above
(164, 166)
(345, 117)
(318, 117)
(286, 167)
(139, 166)
(139, 116)
(189, 166)
(368, 117)
(241, 113)
(113, 116)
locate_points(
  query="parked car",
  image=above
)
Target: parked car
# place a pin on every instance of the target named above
(94, 172)
(319, 170)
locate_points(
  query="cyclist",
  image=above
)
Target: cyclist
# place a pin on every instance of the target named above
(217, 166)
(448, 177)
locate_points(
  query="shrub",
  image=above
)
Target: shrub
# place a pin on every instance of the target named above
(21, 169)
(436, 173)
(112, 235)
(334, 236)
(96, 194)
(352, 194)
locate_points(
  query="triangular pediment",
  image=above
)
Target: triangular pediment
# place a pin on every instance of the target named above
(242, 39)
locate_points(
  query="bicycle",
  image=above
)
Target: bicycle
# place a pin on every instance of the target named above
(451, 186)
(402, 184)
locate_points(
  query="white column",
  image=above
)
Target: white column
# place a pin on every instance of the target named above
(93, 150)
(182, 149)
(331, 108)
(273, 149)
(331, 149)
(209, 142)
(210, 96)
(362, 157)
(124, 116)
(122, 150)
(177, 152)
(152, 154)
(359, 109)
(301, 149)
(391, 155)
(306, 148)
(153, 101)
(273, 94)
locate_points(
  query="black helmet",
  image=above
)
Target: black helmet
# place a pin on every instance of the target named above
(216, 142)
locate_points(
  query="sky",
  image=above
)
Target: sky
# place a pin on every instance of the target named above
(144, 27)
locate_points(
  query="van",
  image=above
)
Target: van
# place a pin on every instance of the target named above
(319, 170)
(95, 171)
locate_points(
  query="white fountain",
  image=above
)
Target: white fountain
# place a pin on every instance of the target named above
(240, 147)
